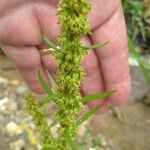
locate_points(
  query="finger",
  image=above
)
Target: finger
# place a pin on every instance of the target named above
(48, 20)
(93, 81)
(20, 27)
(28, 62)
(101, 11)
(114, 57)
(49, 62)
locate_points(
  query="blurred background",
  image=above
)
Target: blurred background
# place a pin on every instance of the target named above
(124, 128)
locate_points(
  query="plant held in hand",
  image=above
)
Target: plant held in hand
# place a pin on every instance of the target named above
(73, 23)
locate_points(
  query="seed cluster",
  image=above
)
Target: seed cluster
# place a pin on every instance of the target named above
(73, 23)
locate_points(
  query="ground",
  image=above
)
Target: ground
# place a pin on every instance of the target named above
(124, 128)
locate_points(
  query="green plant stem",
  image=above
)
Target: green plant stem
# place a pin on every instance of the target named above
(73, 23)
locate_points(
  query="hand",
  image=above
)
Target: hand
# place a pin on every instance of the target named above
(21, 23)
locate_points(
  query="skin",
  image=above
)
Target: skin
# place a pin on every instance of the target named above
(21, 22)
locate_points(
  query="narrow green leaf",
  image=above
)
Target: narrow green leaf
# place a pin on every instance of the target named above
(102, 95)
(48, 148)
(44, 85)
(88, 114)
(143, 32)
(70, 141)
(45, 100)
(138, 58)
(95, 46)
(49, 98)
(49, 43)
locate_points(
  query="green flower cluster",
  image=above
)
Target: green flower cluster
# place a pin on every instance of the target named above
(73, 23)
(73, 17)
(40, 121)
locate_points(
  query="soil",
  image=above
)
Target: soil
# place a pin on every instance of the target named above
(133, 133)
(125, 128)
